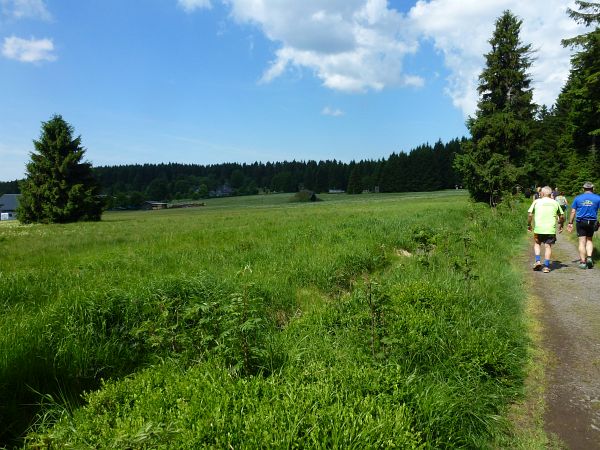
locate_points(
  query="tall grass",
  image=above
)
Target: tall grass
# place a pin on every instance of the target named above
(264, 324)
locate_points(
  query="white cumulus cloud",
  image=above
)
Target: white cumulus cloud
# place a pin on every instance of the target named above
(360, 45)
(350, 45)
(461, 29)
(333, 112)
(28, 50)
(192, 5)
(21, 9)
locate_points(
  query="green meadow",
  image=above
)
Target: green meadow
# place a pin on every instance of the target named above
(368, 321)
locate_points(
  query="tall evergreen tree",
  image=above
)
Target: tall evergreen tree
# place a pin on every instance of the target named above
(546, 159)
(493, 160)
(59, 187)
(588, 15)
(581, 95)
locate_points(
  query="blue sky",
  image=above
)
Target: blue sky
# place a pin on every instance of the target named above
(208, 81)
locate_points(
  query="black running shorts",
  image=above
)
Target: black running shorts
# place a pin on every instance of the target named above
(586, 228)
(545, 238)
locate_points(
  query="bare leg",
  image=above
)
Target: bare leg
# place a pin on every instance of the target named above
(548, 252)
(582, 248)
(537, 248)
(589, 246)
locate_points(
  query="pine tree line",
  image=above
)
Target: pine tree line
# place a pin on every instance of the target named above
(9, 187)
(426, 168)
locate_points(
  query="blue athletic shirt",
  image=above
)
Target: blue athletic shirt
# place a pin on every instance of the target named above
(587, 205)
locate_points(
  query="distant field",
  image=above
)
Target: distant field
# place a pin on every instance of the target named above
(9, 223)
(356, 322)
(270, 200)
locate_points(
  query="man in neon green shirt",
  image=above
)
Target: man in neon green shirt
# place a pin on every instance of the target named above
(544, 212)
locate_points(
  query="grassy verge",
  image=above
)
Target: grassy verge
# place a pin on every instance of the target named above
(526, 415)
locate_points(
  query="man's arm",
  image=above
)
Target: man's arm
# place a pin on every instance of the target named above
(561, 221)
(571, 219)
(530, 214)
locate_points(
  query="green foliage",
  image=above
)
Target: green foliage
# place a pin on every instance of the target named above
(9, 187)
(59, 187)
(200, 408)
(265, 325)
(304, 196)
(492, 162)
(565, 151)
(111, 334)
(425, 168)
(354, 186)
(581, 97)
(589, 14)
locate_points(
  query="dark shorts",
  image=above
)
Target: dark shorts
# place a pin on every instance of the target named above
(586, 228)
(549, 239)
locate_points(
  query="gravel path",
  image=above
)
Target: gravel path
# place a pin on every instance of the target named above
(571, 321)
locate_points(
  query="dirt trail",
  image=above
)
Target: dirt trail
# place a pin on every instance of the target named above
(571, 321)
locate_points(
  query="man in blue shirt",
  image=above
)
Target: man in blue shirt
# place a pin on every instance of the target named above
(584, 211)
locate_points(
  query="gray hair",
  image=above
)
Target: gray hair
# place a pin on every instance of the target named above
(547, 191)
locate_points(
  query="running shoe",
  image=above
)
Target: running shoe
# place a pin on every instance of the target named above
(546, 269)
(583, 265)
(589, 262)
(537, 266)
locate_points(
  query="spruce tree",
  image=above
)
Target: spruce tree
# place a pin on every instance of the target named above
(588, 15)
(493, 160)
(59, 187)
(546, 159)
(581, 96)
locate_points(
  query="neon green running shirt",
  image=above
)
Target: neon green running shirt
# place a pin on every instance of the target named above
(545, 211)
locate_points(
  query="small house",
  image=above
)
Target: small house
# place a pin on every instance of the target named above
(8, 206)
(223, 191)
(147, 205)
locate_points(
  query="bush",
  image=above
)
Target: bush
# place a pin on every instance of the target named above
(305, 196)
